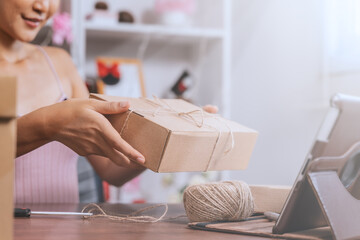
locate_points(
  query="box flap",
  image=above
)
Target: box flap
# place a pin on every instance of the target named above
(8, 97)
(137, 133)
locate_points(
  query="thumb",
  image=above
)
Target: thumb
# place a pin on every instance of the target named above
(110, 107)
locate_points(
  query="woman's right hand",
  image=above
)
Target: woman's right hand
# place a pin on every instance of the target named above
(81, 125)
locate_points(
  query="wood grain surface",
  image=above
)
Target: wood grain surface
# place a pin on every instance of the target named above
(68, 228)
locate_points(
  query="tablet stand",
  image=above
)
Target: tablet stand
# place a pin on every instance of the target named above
(340, 209)
(323, 200)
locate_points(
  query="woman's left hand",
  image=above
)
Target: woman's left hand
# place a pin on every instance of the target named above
(211, 108)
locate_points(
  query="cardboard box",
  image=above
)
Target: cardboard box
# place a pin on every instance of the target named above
(269, 198)
(176, 136)
(7, 154)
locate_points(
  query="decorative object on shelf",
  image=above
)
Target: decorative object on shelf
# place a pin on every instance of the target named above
(126, 17)
(101, 5)
(175, 12)
(182, 84)
(101, 14)
(109, 73)
(181, 87)
(61, 27)
(120, 77)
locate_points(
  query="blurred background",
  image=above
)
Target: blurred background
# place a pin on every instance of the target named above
(269, 65)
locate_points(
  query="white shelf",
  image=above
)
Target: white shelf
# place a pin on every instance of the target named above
(130, 30)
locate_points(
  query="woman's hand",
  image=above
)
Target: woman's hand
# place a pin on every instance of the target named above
(80, 125)
(210, 108)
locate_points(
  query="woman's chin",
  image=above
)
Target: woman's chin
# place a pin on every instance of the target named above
(26, 37)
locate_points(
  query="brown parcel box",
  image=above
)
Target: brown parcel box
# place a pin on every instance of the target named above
(166, 133)
(7, 154)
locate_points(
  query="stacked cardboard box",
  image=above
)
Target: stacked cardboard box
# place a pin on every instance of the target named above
(269, 198)
(7, 154)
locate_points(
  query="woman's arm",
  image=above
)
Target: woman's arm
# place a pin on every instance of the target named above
(31, 132)
(80, 125)
(112, 173)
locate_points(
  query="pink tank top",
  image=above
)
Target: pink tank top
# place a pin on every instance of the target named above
(47, 174)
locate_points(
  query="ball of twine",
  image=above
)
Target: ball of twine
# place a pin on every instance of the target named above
(224, 201)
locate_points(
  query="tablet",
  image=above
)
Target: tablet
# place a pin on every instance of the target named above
(337, 148)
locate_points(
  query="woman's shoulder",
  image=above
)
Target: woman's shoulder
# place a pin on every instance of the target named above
(67, 71)
(57, 54)
(61, 59)
(64, 67)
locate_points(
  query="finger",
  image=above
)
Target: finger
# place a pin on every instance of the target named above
(120, 159)
(117, 157)
(211, 108)
(115, 141)
(129, 151)
(104, 107)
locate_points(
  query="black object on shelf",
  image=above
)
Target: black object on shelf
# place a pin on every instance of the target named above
(182, 84)
(126, 17)
(101, 5)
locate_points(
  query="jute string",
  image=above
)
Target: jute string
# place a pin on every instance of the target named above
(224, 201)
(192, 116)
(132, 217)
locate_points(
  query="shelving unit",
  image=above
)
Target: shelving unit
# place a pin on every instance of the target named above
(208, 37)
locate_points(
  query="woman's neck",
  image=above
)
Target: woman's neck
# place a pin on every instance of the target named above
(11, 50)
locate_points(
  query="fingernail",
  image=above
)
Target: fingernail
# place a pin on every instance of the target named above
(124, 104)
(141, 159)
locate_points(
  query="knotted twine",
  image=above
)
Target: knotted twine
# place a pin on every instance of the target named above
(192, 116)
(224, 201)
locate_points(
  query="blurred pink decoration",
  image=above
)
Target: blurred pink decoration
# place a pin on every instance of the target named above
(62, 29)
(132, 186)
(185, 6)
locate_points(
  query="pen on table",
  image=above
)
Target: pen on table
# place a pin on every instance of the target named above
(272, 216)
(26, 212)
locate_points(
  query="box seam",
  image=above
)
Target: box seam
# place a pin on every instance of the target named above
(164, 149)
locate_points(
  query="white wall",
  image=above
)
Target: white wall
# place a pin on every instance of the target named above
(277, 85)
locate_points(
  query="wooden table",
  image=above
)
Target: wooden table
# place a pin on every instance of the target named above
(70, 227)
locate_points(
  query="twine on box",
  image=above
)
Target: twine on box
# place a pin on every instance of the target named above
(164, 107)
(224, 201)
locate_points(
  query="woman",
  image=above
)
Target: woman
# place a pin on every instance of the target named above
(52, 131)
(48, 126)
